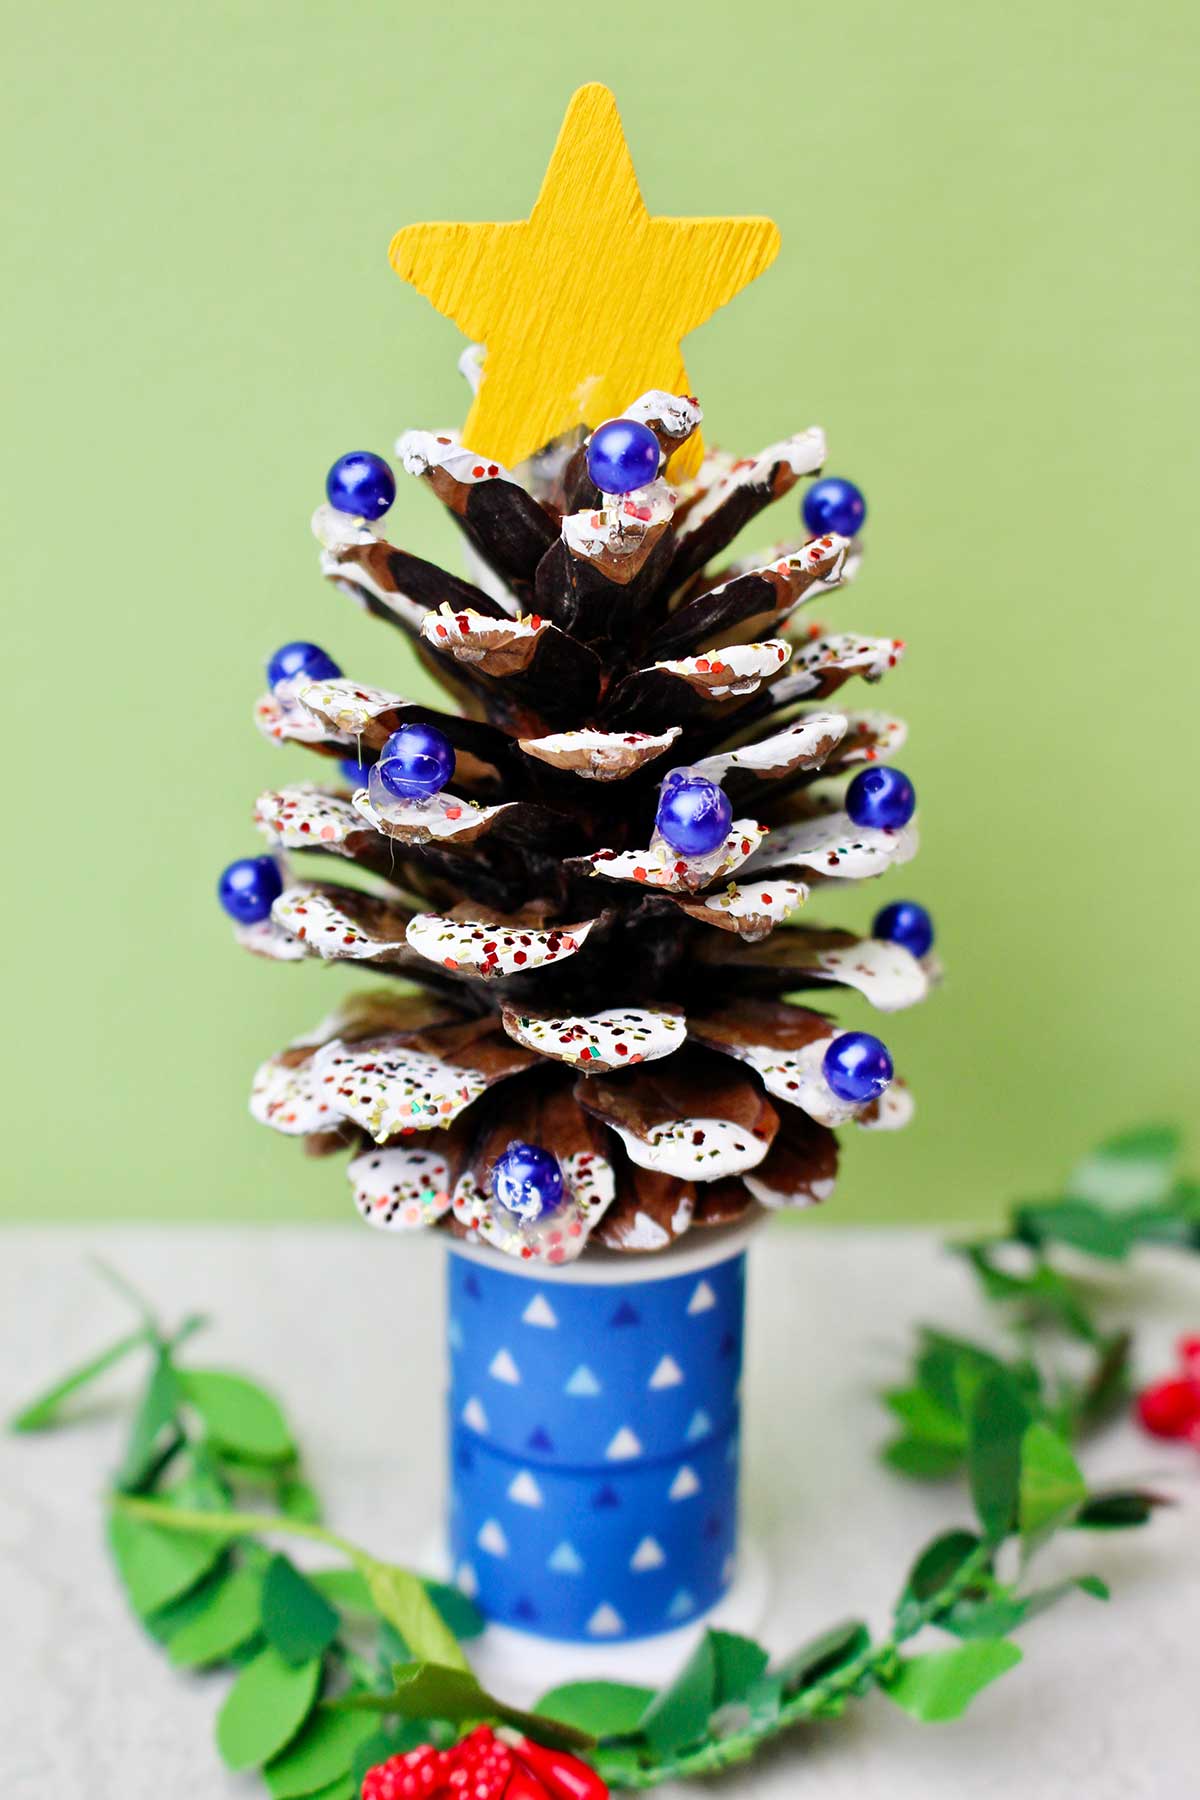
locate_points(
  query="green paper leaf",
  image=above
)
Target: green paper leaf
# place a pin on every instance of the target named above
(1133, 1169)
(171, 1618)
(1093, 1585)
(764, 1700)
(159, 1408)
(238, 1414)
(156, 1565)
(942, 1361)
(678, 1716)
(230, 1618)
(1044, 1291)
(922, 1461)
(925, 1417)
(937, 1565)
(424, 1690)
(1003, 1613)
(323, 1753)
(822, 1655)
(296, 1618)
(604, 1709)
(941, 1684)
(620, 1766)
(265, 1708)
(1079, 1223)
(460, 1614)
(998, 1419)
(739, 1663)
(1108, 1385)
(298, 1500)
(400, 1597)
(1051, 1483)
(1118, 1510)
(42, 1413)
(345, 1588)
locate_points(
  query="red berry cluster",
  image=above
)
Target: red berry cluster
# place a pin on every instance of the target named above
(1171, 1408)
(484, 1767)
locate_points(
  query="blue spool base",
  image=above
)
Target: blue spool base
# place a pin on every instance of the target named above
(594, 1434)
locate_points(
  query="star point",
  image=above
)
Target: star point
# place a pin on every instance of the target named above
(582, 306)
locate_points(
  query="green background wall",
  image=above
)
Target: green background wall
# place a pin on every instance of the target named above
(986, 294)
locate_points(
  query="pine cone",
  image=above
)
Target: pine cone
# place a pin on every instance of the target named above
(568, 979)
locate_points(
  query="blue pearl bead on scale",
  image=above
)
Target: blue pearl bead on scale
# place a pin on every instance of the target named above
(360, 484)
(358, 774)
(416, 762)
(249, 888)
(694, 814)
(881, 798)
(292, 662)
(527, 1182)
(905, 922)
(857, 1066)
(834, 504)
(622, 455)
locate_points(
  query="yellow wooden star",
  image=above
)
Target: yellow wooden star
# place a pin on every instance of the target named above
(580, 307)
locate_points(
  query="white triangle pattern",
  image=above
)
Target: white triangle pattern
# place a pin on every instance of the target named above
(474, 1415)
(540, 1312)
(566, 1560)
(681, 1605)
(703, 1300)
(685, 1484)
(606, 1621)
(623, 1446)
(668, 1374)
(467, 1581)
(700, 1425)
(648, 1555)
(583, 1383)
(454, 1334)
(492, 1539)
(525, 1490)
(503, 1368)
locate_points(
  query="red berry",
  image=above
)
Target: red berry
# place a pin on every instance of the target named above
(1189, 1355)
(563, 1777)
(524, 1786)
(479, 1767)
(414, 1775)
(1169, 1409)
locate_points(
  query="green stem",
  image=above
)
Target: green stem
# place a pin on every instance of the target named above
(40, 1412)
(233, 1524)
(398, 1594)
(813, 1702)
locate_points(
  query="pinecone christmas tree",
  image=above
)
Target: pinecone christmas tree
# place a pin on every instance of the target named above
(591, 874)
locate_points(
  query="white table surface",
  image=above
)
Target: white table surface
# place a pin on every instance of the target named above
(346, 1326)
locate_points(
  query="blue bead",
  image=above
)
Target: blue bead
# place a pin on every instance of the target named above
(907, 924)
(527, 1182)
(622, 455)
(881, 797)
(361, 484)
(833, 504)
(857, 1066)
(694, 814)
(249, 888)
(356, 773)
(308, 660)
(416, 761)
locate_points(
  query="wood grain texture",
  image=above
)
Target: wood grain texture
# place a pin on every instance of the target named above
(582, 306)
